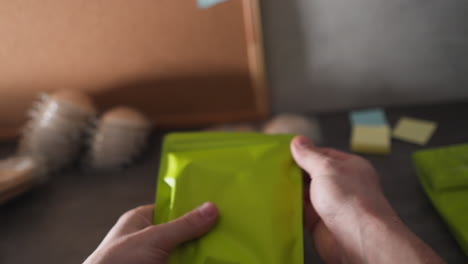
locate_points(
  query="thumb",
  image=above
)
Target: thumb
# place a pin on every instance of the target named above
(187, 227)
(306, 155)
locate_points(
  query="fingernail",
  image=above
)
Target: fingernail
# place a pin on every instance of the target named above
(208, 210)
(303, 142)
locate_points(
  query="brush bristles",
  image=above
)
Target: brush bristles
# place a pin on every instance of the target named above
(55, 132)
(117, 144)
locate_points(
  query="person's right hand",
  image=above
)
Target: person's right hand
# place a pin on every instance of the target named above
(347, 214)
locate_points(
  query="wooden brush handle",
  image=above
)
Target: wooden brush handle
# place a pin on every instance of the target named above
(15, 179)
(15, 191)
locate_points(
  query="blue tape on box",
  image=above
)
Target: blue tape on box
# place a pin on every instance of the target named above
(204, 4)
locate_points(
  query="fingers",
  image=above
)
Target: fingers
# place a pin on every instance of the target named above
(137, 218)
(190, 226)
(325, 243)
(144, 211)
(311, 218)
(130, 222)
(335, 154)
(306, 155)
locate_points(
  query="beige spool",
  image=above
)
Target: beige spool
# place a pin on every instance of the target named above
(119, 138)
(294, 124)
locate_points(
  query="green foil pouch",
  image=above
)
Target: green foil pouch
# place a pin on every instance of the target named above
(443, 173)
(256, 185)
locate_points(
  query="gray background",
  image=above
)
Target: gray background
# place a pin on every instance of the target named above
(335, 54)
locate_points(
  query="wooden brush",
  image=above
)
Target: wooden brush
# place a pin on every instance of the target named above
(55, 132)
(51, 139)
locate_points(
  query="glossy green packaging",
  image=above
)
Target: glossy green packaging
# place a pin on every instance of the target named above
(443, 173)
(256, 185)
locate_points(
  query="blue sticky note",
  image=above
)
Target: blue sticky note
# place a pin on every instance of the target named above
(369, 117)
(208, 3)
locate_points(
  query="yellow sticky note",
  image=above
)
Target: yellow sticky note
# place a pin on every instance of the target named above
(370, 139)
(414, 130)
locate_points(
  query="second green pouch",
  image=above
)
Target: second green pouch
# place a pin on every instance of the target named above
(256, 185)
(443, 173)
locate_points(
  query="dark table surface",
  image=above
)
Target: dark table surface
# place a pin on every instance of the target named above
(63, 220)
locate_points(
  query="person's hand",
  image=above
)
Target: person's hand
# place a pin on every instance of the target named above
(347, 214)
(134, 239)
(342, 188)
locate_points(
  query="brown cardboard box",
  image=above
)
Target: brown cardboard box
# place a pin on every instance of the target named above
(181, 65)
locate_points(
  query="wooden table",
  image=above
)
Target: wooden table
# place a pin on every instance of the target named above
(63, 220)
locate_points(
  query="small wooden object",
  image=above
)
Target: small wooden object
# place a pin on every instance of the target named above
(17, 175)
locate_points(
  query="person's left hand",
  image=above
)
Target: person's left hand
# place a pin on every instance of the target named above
(134, 239)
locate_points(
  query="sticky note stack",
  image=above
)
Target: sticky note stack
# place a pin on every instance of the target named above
(414, 130)
(370, 132)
